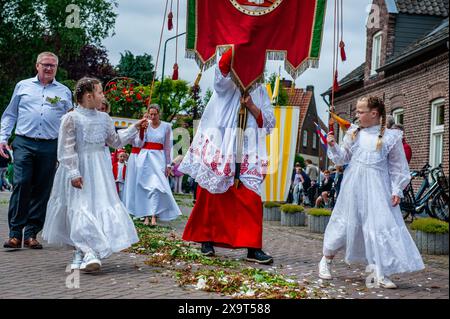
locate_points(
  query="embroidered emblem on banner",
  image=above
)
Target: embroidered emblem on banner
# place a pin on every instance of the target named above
(256, 7)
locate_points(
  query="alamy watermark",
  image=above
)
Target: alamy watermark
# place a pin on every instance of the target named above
(373, 19)
(73, 279)
(73, 19)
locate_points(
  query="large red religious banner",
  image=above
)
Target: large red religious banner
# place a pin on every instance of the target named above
(256, 29)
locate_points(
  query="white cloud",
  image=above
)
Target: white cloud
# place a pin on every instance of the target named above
(138, 29)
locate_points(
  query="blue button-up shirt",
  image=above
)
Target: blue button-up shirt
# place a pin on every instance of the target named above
(36, 110)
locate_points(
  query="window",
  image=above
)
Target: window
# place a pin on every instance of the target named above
(314, 141)
(437, 132)
(398, 116)
(376, 53)
(305, 138)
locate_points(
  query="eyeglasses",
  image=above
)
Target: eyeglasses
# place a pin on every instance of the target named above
(48, 66)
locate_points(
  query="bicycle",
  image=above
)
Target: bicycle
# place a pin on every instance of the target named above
(439, 203)
(431, 198)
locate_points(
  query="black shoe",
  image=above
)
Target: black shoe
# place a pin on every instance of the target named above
(258, 256)
(208, 249)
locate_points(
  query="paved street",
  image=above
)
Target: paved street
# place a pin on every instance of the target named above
(41, 274)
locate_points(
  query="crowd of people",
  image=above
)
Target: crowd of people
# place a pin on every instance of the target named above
(313, 187)
(68, 185)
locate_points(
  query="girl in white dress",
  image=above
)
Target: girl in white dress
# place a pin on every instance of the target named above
(84, 210)
(366, 220)
(153, 195)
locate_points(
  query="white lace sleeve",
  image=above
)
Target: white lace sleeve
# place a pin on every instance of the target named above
(341, 155)
(223, 84)
(121, 137)
(267, 112)
(67, 155)
(398, 166)
(168, 144)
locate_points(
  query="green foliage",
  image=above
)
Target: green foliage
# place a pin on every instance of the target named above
(92, 61)
(430, 225)
(247, 283)
(283, 97)
(139, 67)
(163, 247)
(292, 209)
(70, 84)
(28, 27)
(272, 204)
(318, 212)
(174, 97)
(300, 159)
(207, 96)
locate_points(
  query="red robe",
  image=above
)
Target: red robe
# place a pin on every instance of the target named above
(408, 150)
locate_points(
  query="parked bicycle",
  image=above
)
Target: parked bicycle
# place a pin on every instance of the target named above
(431, 197)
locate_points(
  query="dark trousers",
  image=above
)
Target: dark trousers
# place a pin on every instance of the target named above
(34, 170)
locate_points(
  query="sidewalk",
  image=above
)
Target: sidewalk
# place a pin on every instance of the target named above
(41, 273)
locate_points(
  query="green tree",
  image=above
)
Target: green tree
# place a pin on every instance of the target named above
(92, 61)
(300, 159)
(207, 96)
(139, 67)
(28, 27)
(176, 98)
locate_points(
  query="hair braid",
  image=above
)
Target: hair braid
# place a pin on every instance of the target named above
(382, 129)
(355, 132)
(83, 86)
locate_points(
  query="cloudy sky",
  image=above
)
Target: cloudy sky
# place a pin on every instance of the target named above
(138, 28)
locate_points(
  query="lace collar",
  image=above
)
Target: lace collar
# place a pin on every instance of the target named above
(372, 129)
(86, 111)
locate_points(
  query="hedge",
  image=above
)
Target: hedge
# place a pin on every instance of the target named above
(318, 212)
(272, 204)
(290, 208)
(430, 225)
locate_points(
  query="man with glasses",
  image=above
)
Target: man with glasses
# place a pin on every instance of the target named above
(35, 110)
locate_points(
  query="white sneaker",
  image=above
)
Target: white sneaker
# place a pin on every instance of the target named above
(385, 282)
(90, 263)
(77, 260)
(325, 268)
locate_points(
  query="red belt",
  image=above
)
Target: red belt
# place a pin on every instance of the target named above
(153, 146)
(135, 150)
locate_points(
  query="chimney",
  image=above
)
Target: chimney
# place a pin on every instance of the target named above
(286, 83)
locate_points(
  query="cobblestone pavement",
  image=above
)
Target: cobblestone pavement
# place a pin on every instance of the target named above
(28, 273)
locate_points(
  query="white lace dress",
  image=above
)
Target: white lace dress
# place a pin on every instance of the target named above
(92, 218)
(363, 221)
(153, 195)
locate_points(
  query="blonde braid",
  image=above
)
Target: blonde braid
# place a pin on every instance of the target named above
(382, 129)
(355, 132)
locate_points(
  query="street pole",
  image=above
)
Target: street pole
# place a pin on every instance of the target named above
(163, 66)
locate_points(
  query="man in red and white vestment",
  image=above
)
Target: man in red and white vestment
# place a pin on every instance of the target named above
(224, 215)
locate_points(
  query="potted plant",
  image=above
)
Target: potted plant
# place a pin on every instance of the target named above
(271, 211)
(292, 215)
(318, 219)
(431, 236)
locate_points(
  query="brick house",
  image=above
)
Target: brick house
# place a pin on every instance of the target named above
(308, 144)
(407, 65)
